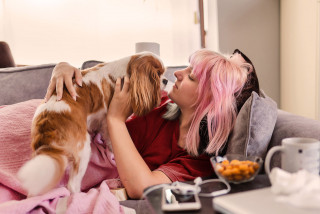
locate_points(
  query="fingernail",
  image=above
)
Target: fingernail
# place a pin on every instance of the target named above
(59, 98)
(74, 98)
(79, 82)
(45, 99)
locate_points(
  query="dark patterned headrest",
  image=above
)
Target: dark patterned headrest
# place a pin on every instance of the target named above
(252, 83)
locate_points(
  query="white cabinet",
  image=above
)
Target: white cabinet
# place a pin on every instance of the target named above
(299, 53)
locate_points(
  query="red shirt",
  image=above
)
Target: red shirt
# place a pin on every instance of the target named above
(157, 142)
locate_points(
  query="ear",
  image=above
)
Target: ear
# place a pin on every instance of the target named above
(144, 87)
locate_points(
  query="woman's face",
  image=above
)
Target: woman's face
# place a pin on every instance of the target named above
(184, 91)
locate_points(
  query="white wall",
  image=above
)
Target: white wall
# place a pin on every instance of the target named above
(46, 31)
(1, 20)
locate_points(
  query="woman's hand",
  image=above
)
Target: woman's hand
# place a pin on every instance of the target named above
(62, 74)
(120, 108)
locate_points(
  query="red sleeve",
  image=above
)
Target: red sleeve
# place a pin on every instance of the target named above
(186, 168)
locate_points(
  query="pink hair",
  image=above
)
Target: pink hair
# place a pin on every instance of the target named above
(220, 79)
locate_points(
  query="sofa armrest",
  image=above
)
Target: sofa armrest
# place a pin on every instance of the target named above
(19, 84)
(291, 125)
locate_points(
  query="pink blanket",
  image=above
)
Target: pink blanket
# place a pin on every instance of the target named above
(15, 150)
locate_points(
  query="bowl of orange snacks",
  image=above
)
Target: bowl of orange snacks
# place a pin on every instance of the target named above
(236, 168)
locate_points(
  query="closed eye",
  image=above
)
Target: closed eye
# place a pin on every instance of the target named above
(191, 77)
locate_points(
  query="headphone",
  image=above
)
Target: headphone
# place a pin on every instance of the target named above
(188, 189)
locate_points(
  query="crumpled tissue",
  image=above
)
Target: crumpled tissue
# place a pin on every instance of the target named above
(301, 189)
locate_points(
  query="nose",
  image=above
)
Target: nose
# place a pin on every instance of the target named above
(178, 74)
(165, 81)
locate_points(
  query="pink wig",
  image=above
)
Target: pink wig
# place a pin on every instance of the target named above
(220, 79)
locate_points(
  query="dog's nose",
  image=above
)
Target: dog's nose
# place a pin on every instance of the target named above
(165, 81)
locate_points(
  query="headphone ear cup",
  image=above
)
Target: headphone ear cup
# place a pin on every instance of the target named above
(185, 189)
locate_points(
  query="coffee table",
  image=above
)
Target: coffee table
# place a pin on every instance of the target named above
(261, 181)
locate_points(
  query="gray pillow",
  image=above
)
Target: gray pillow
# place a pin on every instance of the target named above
(254, 127)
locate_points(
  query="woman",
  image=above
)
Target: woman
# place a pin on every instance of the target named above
(173, 142)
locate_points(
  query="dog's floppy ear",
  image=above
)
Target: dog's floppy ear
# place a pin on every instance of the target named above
(145, 85)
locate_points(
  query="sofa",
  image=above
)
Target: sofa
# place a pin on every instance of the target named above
(30, 82)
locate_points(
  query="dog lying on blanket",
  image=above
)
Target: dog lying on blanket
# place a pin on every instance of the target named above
(60, 129)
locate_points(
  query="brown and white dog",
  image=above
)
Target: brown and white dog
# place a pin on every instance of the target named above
(60, 129)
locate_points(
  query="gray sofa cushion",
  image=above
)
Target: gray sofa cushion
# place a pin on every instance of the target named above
(89, 64)
(24, 83)
(169, 74)
(254, 126)
(291, 125)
